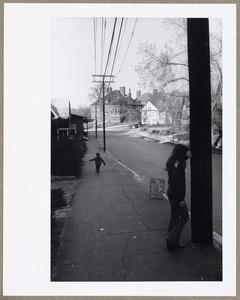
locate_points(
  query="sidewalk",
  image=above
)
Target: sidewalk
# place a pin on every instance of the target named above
(115, 232)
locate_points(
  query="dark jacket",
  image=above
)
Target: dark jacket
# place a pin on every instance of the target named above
(98, 160)
(176, 183)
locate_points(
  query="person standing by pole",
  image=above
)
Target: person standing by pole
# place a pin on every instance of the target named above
(175, 166)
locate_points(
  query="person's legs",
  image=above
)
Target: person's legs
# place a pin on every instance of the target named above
(175, 214)
(98, 169)
(180, 218)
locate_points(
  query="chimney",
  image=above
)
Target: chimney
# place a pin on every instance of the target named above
(122, 90)
(138, 94)
(129, 94)
(155, 94)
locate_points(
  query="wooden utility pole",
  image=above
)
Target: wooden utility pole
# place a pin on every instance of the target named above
(200, 131)
(96, 119)
(103, 81)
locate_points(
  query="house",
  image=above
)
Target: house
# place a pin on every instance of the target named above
(119, 107)
(65, 124)
(185, 118)
(153, 113)
(54, 121)
(150, 114)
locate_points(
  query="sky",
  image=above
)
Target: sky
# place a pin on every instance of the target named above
(73, 60)
(73, 54)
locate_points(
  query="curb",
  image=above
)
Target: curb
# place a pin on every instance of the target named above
(214, 150)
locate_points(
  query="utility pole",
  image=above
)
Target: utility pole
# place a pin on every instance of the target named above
(96, 118)
(103, 81)
(200, 130)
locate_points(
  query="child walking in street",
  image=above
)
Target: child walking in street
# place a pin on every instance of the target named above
(98, 161)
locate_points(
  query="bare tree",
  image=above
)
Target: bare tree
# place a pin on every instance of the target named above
(167, 68)
(84, 111)
(95, 93)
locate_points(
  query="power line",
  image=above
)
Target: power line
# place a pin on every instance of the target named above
(101, 48)
(120, 30)
(110, 56)
(116, 50)
(103, 81)
(127, 48)
(95, 42)
(125, 25)
(110, 47)
(104, 36)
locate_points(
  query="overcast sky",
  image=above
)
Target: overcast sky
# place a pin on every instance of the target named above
(73, 54)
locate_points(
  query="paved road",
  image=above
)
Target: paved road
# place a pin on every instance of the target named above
(148, 159)
(115, 232)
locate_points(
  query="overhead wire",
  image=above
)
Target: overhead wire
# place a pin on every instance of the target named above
(103, 45)
(95, 43)
(110, 55)
(125, 25)
(127, 48)
(104, 35)
(110, 46)
(101, 48)
(116, 50)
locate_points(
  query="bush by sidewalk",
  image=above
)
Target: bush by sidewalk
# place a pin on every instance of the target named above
(66, 161)
(58, 200)
(66, 156)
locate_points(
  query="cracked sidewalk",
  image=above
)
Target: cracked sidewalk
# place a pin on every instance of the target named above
(115, 232)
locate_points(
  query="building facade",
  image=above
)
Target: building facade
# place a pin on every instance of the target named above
(119, 108)
(150, 114)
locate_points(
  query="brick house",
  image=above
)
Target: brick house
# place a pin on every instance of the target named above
(119, 107)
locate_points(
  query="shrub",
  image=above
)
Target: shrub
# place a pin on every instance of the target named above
(57, 199)
(66, 157)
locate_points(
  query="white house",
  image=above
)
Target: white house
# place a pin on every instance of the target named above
(153, 114)
(150, 114)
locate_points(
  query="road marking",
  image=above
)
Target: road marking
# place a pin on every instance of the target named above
(137, 176)
(217, 237)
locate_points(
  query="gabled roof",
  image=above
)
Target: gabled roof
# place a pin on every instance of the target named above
(85, 119)
(114, 95)
(116, 98)
(54, 111)
(63, 107)
(157, 105)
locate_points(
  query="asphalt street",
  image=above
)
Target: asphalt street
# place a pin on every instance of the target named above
(148, 158)
(116, 232)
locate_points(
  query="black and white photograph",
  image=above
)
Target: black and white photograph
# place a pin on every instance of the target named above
(126, 153)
